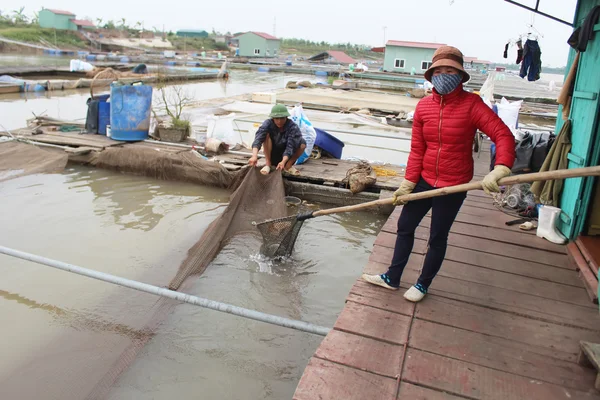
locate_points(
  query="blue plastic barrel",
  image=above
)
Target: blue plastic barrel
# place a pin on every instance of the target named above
(263, 69)
(91, 57)
(103, 113)
(321, 73)
(130, 112)
(288, 63)
(329, 143)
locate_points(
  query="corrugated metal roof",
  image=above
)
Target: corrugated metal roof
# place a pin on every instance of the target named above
(192, 30)
(261, 34)
(265, 35)
(342, 57)
(60, 12)
(420, 45)
(83, 22)
(337, 55)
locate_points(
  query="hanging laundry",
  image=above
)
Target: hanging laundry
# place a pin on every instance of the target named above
(519, 51)
(532, 61)
(582, 35)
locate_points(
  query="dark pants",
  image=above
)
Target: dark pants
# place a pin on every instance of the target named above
(444, 211)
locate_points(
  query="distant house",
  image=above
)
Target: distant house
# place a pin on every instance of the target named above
(223, 39)
(480, 65)
(258, 44)
(83, 24)
(332, 56)
(409, 57)
(62, 20)
(192, 33)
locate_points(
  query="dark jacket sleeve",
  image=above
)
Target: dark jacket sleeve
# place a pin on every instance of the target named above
(414, 166)
(261, 135)
(294, 137)
(489, 123)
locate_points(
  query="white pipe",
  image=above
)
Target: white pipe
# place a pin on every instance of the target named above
(162, 292)
(187, 146)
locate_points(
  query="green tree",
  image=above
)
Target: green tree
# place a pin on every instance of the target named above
(123, 24)
(110, 24)
(99, 22)
(19, 16)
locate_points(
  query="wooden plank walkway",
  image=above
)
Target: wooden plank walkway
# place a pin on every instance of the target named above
(503, 320)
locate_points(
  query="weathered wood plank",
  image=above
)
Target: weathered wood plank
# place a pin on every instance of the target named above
(486, 232)
(373, 323)
(324, 380)
(384, 255)
(414, 392)
(361, 353)
(445, 285)
(479, 382)
(374, 296)
(511, 253)
(501, 324)
(590, 282)
(481, 217)
(497, 353)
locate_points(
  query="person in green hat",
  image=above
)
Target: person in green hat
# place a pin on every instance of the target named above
(282, 141)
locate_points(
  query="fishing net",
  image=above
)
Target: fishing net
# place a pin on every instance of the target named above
(154, 162)
(258, 198)
(18, 159)
(279, 235)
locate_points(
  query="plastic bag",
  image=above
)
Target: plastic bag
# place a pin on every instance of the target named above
(221, 128)
(78, 65)
(509, 112)
(487, 90)
(308, 132)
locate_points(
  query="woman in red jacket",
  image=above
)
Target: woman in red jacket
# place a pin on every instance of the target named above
(441, 155)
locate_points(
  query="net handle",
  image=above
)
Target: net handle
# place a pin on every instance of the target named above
(511, 180)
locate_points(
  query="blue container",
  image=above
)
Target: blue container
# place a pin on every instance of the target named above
(103, 116)
(321, 73)
(329, 143)
(130, 112)
(288, 63)
(91, 57)
(263, 69)
(124, 60)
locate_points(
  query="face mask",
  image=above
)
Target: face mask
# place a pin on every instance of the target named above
(446, 83)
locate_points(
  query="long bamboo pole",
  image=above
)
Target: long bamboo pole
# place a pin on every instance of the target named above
(511, 180)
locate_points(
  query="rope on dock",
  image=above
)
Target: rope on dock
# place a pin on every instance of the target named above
(163, 292)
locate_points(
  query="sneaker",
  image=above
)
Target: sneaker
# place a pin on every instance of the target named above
(415, 293)
(379, 280)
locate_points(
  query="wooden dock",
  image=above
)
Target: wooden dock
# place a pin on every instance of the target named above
(503, 320)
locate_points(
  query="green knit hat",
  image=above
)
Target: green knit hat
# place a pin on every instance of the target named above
(279, 111)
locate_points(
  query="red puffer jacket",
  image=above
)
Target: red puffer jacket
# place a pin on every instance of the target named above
(442, 138)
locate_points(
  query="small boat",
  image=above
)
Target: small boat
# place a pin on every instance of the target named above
(6, 88)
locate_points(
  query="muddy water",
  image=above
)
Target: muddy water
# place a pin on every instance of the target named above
(16, 108)
(57, 325)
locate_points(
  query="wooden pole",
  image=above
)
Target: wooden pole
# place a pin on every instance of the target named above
(511, 180)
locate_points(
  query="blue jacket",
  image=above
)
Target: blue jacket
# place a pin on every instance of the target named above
(290, 137)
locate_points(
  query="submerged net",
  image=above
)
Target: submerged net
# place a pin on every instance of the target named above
(258, 197)
(279, 235)
(18, 159)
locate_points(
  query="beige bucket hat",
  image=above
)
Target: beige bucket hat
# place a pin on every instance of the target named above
(448, 56)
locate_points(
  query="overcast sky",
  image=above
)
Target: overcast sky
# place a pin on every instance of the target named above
(480, 28)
